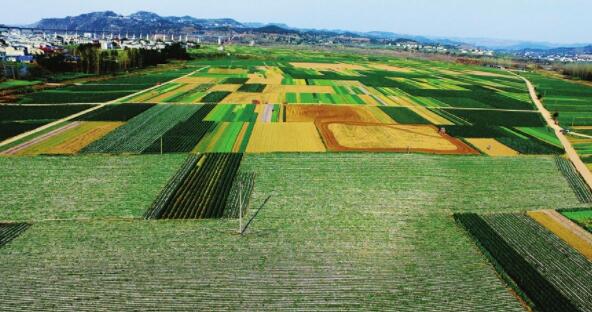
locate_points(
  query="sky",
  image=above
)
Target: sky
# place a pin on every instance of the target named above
(558, 21)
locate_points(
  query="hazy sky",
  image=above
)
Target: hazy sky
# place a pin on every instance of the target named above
(561, 21)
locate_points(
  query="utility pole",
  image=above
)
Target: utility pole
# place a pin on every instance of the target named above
(240, 207)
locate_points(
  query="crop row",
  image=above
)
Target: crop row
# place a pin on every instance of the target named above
(552, 275)
(118, 112)
(183, 137)
(240, 194)
(143, 130)
(201, 193)
(9, 231)
(575, 181)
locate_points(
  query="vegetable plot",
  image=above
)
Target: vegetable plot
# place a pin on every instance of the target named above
(199, 190)
(9, 231)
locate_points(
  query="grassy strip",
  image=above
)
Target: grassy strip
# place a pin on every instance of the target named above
(203, 192)
(119, 112)
(240, 193)
(10, 231)
(575, 181)
(534, 285)
(183, 137)
(404, 115)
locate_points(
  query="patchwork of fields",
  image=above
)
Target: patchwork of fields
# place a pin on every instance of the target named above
(364, 182)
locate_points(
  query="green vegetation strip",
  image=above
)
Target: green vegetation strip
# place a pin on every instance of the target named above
(376, 235)
(118, 112)
(183, 137)
(142, 131)
(583, 217)
(10, 231)
(42, 188)
(202, 192)
(574, 179)
(546, 295)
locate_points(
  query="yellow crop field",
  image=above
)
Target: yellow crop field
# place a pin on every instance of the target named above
(162, 98)
(492, 147)
(381, 136)
(197, 80)
(272, 76)
(225, 87)
(285, 137)
(359, 136)
(248, 98)
(72, 140)
(571, 233)
(298, 89)
(227, 71)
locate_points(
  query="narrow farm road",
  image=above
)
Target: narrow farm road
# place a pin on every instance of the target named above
(68, 118)
(570, 151)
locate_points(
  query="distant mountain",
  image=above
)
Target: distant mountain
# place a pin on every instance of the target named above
(138, 22)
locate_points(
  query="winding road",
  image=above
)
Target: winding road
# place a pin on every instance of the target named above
(570, 151)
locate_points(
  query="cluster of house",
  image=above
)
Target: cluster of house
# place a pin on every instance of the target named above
(22, 47)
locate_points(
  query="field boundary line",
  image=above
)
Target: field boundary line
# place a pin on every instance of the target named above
(569, 149)
(92, 109)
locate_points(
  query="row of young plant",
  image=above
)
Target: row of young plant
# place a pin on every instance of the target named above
(143, 130)
(240, 195)
(183, 137)
(574, 179)
(10, 231)
(200, 192)
(549, 274)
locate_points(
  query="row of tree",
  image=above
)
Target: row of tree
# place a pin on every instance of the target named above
(91, 59)
(578, 71)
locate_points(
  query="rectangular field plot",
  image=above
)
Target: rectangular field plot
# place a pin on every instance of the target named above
(199, 190)
(17, 119)
(551, 274)
(42, 188)
(339, 232)
(142, 131)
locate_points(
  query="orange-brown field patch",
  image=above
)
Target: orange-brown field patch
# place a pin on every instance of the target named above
(492, 147)
(372, 137)
(72, 140)
(285, 137)
(325, 113)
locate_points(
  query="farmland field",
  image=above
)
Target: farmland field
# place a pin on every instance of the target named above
(350, 171)
(40, 188)
(331, 237)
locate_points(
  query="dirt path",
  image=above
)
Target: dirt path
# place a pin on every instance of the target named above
(570, 151)
(68, 118)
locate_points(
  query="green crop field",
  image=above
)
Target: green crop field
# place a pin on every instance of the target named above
(40, 188)
(365, 182)
(322, 241)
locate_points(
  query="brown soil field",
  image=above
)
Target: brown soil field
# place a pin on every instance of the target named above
(372, 137)
(325, 113)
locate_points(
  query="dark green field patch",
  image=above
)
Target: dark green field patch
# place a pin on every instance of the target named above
(215, 97)
(252, 87)
(404, 115)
